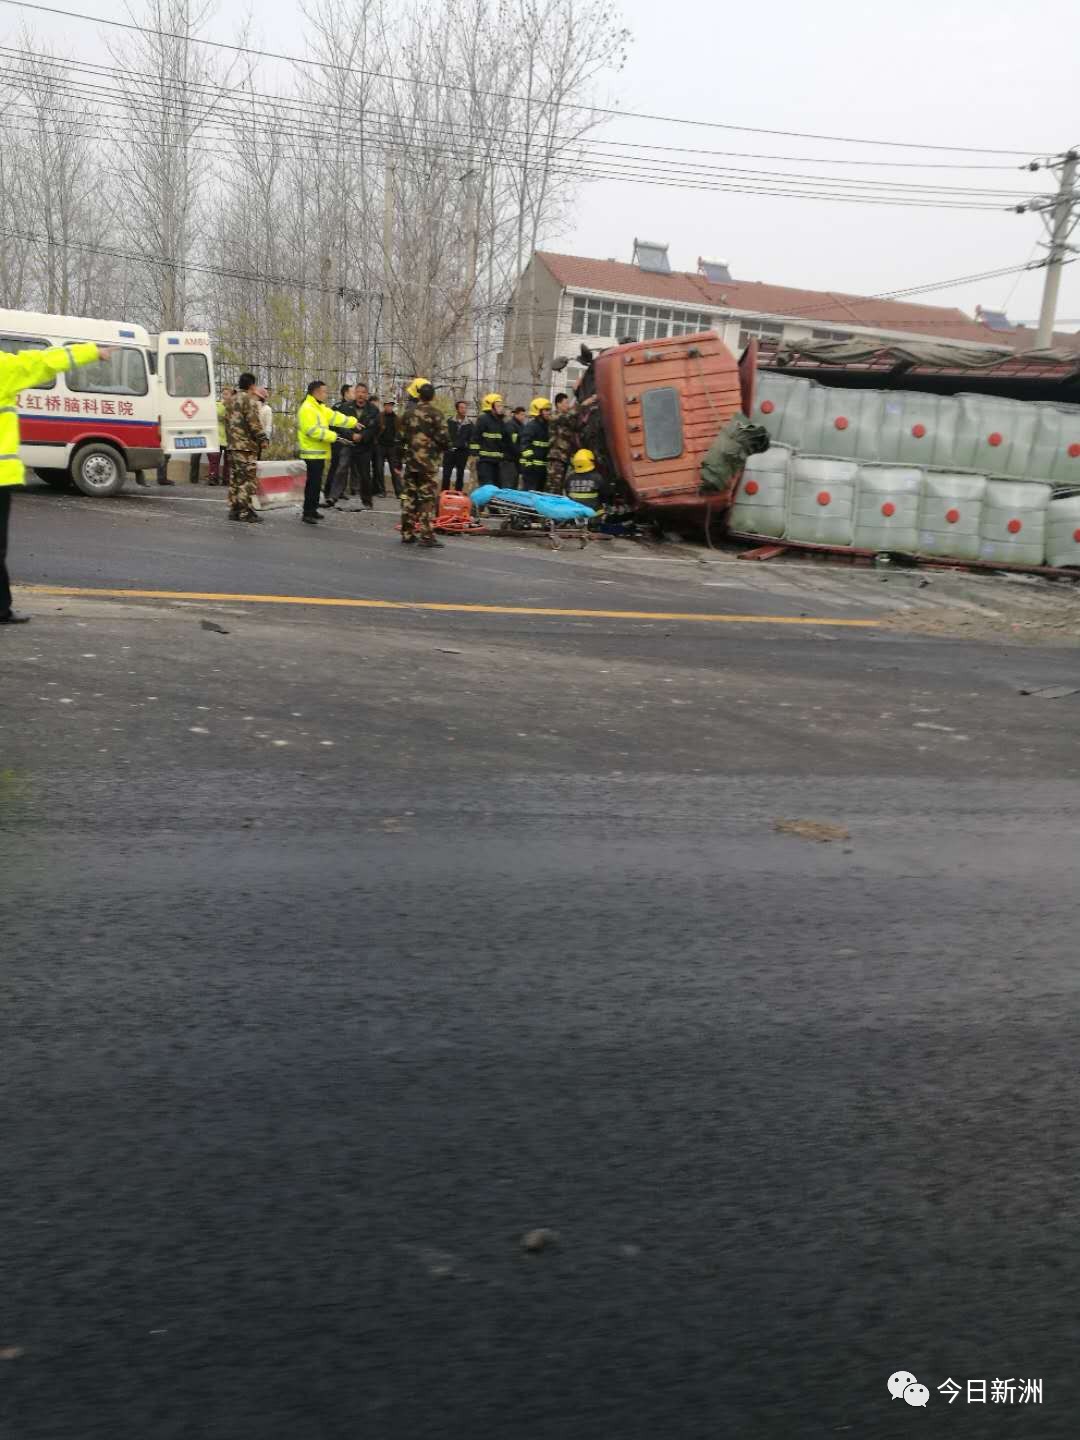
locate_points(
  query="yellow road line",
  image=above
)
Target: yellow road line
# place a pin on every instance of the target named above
(438, 606)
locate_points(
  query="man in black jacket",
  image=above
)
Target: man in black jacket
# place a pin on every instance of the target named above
(387, 447)
(362, 454)
(332, 486)
(456, 458)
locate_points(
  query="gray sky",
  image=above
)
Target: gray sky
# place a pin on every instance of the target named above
(956, 72)
(946, 72)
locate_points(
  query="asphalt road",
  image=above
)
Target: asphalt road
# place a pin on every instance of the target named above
(345, 947)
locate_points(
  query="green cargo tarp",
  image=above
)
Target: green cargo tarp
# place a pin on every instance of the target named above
(729, 452)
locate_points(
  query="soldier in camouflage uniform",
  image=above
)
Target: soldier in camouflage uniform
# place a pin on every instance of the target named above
(245, 436)
(424, 437)
(565, 439)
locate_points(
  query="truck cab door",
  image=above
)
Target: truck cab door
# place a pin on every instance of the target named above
(186, 393)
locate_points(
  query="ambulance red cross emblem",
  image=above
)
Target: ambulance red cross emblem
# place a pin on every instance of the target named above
(190, 409)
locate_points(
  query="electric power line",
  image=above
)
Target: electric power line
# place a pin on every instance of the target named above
(293, 102)
(789, 184)
(505, 95)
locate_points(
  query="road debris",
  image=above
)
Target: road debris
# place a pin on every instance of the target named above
(217, 629)
(538, 1239)
(811, 830)
(1050, 692)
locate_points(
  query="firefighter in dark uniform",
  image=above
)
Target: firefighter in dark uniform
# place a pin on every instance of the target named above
(584, 483)
(535, 443)
(491, 442)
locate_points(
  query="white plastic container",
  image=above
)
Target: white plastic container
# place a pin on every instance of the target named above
(844, 423)
(1055, 454)
(761, 496)
(1013, 527)
(887, 508)
(950, 515)
(918, 429)
(995, 436)
(821, 508)
(1063, 532)
(781, 404)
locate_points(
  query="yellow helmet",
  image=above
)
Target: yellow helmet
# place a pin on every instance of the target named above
(413, 391)
(490, 400)
(583, 461)
(539, 405)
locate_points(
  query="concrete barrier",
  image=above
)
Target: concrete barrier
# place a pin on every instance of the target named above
(281, 482)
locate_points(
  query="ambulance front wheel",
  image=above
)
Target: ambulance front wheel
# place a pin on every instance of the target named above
(98, 470)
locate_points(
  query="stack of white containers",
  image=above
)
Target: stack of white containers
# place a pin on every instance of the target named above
(904, 509)
(1006, 439)
(966, 477)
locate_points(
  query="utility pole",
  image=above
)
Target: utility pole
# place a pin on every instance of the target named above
(1059, 214)
(387, 272)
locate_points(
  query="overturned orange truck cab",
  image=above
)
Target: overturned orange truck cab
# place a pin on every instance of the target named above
(662, 404)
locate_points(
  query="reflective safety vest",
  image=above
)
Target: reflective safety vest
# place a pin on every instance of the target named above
(222, 440)
(585, 488)
(18, 372)
(314, 436)
(490, 440)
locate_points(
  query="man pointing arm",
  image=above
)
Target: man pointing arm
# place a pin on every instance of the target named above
(18, 372)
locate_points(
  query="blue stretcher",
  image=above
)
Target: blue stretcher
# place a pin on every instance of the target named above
(535, 510)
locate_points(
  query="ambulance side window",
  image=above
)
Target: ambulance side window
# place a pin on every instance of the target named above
(187, 374)
(124, 373)
(661, 415)
(12, 344)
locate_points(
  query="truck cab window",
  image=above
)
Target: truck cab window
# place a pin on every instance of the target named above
(661, 415)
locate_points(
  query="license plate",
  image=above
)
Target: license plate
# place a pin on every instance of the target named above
(191, 442)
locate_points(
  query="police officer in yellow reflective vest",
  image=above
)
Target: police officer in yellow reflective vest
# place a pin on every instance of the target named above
(491, 442)
(535, 444)
(315, 426)
(19, 372)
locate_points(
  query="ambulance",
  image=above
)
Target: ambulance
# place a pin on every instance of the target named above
(92, 427)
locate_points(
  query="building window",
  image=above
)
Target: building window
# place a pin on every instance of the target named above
(625, 320)
(760, 330)
(830, 335)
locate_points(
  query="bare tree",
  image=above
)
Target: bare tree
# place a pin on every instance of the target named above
(171, 89)
(367, 220)
(567, 45)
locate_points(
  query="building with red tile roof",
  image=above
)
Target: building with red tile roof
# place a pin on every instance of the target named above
(564, 301)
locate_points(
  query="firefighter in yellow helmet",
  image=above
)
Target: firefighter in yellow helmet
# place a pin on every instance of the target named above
(412, 392)
(22, 371)
(584, 483)
(535, 444)
(492, 441)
